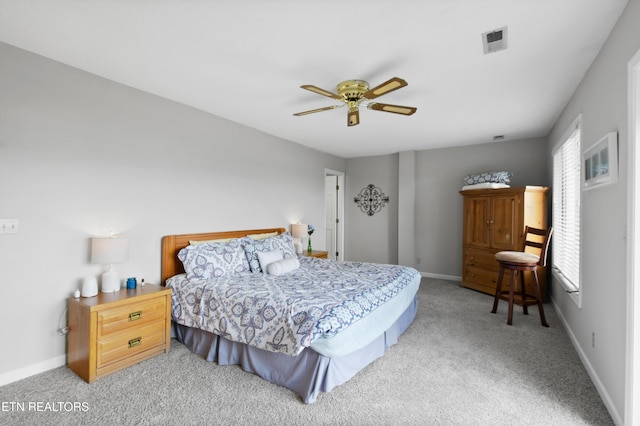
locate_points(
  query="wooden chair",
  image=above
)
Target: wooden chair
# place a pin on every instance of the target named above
(521, 262)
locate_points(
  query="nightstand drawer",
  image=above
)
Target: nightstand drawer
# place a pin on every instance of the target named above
(130, 342)
(133, 315)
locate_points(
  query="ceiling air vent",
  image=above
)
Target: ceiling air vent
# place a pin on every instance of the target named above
(495, 40)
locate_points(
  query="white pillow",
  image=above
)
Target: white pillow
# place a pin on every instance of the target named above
(265, 258)
(283, 266)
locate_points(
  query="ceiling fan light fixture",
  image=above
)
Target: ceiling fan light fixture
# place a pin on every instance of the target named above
(353, 92)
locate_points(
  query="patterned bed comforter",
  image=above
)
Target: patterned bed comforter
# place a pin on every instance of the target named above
(287, 313)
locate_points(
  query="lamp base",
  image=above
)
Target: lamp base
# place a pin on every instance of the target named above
(110, 281)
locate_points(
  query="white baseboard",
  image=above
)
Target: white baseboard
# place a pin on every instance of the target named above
(440, 276)
(615, 416)
(40, 367)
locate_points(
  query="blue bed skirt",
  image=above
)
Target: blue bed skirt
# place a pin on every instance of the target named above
(306, 374)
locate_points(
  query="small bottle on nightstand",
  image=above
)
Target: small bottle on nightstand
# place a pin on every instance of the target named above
(142, 282)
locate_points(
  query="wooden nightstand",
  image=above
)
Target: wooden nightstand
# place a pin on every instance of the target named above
(112, 331)
(317, 253)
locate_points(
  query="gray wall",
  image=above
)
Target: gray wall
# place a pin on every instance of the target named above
(83, 156)
(407, 208)
(602, 99)
(372, 238)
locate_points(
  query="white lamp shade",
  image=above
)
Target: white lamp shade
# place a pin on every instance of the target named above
(109, 250)
(299, 230)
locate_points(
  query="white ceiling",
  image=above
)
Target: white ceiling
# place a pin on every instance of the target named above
(244, 60)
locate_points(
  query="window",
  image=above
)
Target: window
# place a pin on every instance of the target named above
(566, 210)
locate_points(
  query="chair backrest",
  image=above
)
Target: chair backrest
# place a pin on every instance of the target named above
(541, 242)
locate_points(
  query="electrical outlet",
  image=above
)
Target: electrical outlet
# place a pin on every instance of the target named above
(9, 226)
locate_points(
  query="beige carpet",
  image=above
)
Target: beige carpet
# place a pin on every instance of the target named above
(457, 364)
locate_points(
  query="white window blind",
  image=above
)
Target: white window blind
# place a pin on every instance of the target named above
(566, 210)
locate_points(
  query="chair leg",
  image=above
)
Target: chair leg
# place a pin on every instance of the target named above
(523, 294)
(512, 285)
(498, 290)
(536, 288)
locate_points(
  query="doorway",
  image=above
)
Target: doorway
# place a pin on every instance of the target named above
(632, 400)
(334, 213)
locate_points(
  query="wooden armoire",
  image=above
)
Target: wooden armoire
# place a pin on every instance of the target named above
(494, 220)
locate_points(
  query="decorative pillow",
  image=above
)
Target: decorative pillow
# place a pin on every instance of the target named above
(267, 257)
(497, 177)
(251, 250)
(282, 242)
(283, 266)
(285, 243)
(209, 260)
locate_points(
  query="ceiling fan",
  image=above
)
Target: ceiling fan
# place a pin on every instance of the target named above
(355, 92)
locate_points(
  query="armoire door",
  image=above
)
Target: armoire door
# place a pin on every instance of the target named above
(503, 222)
(477, 214)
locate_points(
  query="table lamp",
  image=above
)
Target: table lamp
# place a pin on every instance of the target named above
(110, 251)
(298, 231)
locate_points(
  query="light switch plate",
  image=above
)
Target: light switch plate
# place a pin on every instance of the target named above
(9, 226)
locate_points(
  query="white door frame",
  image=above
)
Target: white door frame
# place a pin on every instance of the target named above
(340, 211)
(632, 391)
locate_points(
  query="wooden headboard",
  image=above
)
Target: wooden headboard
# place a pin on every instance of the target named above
(172, 244)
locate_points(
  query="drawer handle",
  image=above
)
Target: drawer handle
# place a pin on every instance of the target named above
(135, 315)
(135, 342)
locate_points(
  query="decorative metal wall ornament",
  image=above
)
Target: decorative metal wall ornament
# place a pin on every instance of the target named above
(371, 199)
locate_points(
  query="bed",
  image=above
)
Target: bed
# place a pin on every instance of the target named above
(304, 323)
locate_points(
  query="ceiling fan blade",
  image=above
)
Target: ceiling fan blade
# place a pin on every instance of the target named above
(311, 111)
(353, 117)
(396, 109)
(321, 91)
(388, 86)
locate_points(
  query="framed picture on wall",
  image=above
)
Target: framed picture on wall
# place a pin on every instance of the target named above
(601, 162)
